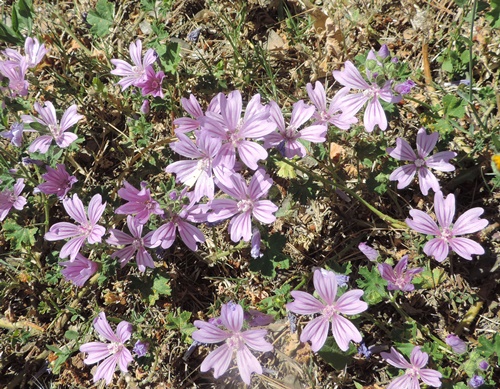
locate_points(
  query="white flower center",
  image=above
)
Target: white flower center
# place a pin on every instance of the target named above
(372, 92)
(419, 162)
(115, 347)
(236, 341)
(446, 234)
(329, 311)
(245, 205)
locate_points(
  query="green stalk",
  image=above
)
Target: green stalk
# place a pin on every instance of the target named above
(422, 329)
(393, 222)
(474, 9)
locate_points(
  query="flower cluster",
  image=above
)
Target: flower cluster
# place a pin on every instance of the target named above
(16, 65)
(222, 153)
(141, 74)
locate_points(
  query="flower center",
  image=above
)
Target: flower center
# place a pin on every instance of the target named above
(413, 372)
(446, 234)
(115, 347)
(138, 70)
(203, 164)
(12, 198)
(419, 162)
(290, 133)
(54, 130)
(86, 229)
(236, 341)
(372, 92)
(137, 243)
(329, 311)
(245, 205)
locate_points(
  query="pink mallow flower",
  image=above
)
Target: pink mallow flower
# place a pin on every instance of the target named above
(151, 85)
(11, 198)
(79, 270)
(457, 345)
(181, 219)
(198, 171)
(446, 233)
(86, 230)
(34, 52)
(351, 104)
(414, 370)
(114, 353)
(330, 309)
(368, 251)
(286, 139)
(15, 135)
(332, 114)
(236, 132)
(235, 340)
(133, 74)
(55, 130)
(398, 278)
(140, 203)
(421, 162)
(246, 203)
(57, 181)
(135, 244)
(16, 73)
(193, 107)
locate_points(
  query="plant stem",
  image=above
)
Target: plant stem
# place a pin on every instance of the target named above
(474, 9)
(409, 319)
(393, 222)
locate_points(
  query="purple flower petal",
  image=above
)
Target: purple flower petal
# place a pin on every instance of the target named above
(325, 284)
(304, 304)
(437, 248)
(465, 247)
(344, 331)
(315, 331)
(247, 364)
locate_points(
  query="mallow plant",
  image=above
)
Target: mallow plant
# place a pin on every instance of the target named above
(224, 169)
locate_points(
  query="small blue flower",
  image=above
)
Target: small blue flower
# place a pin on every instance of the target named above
(476, 382)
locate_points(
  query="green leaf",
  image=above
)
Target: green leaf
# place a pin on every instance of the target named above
(465, 57)
(453, 106)
(25, 10)
(7, 34)
(285, 170)
(373, 284)
(153, 286)
(180, 321)
(489, 347)
(429, 279)
(20, 237)
(161, 285)
(447, 65)
(334, 356)
(71, 335)
(101, 19)
(170, 57)
(275, 304)
(272, 258)
(54, 349)
(14, 19)
(493, 16)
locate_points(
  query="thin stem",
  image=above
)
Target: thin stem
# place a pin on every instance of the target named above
(393, 222)
(474, 9)
(409, 319)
